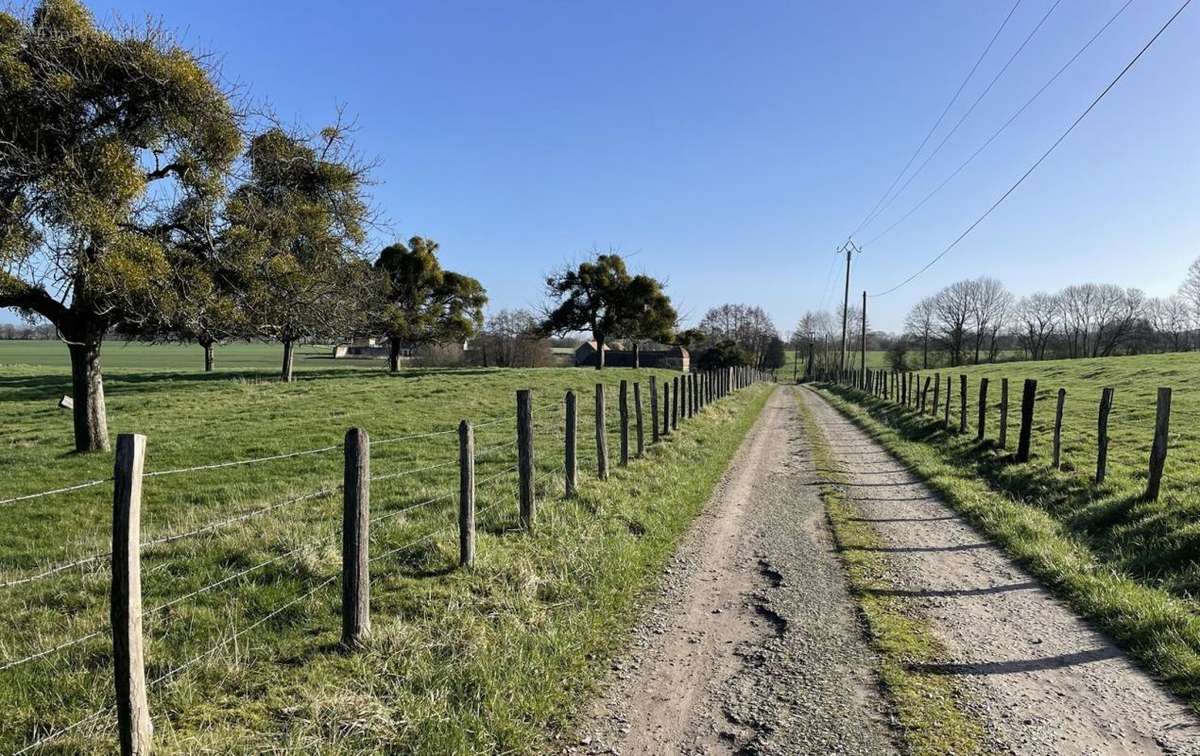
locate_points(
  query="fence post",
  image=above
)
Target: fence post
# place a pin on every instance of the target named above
(1158, 451)
(637, 419)
(570, 459)
(675, 398)
(466, 494)
(1058, 414)
(528, 512)
(962, 401)
(666, 419)
(1028, 395)
(601, 434)
(1106, 401)
(135, 730)
(983, 391)
(623, 412)
(949, 390)
(653, 410)
(1003, 413)
(937, 392)
(356, 514)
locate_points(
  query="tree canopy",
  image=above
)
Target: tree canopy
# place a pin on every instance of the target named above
(105, 140)
(600, 296)
(422, 303)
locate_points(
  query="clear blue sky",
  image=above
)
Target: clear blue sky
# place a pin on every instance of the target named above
(730, 147)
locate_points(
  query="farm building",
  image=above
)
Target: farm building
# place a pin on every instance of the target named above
(370, 347)
(652, 356)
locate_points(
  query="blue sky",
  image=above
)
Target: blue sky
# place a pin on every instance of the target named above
(730, 147)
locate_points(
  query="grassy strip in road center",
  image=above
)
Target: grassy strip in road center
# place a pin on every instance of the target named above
(928, 706)
(1160, 630)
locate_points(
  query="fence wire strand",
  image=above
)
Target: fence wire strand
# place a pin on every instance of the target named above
(53, 491)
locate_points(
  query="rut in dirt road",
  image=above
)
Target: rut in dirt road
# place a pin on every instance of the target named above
(754, 645)
(1039, 678)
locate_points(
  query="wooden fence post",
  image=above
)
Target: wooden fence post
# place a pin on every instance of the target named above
(983, 391)
(962, 401)
(570, 442)
(653, 410)
(623, 411)
(601, 434)
(1056, 461)
(134, 728)
(675, 399)
(528, 512)
(1003, 413)
(949, 390)
(466, 494)
(1158, 450)
(1028, 395)
(356, 515)
(1106, 401)
(637, 419)
(937, 392)
(666, 420)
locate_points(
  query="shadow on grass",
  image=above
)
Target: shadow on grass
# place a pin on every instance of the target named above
(1155, 542)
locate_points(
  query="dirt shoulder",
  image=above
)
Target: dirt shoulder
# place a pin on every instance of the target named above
(1040, 678)
(754, 645)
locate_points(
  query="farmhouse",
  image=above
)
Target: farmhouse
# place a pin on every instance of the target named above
(652, 356)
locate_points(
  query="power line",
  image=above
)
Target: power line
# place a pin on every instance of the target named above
(871, 215)
(1005, 125)
(1045, 154)
(966, 114)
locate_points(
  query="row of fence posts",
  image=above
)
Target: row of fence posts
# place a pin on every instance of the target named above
(682, 397)
(906, 389)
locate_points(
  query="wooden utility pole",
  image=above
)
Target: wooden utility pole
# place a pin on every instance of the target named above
(848, 249)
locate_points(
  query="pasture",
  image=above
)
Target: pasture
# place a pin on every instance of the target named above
(133, 355)
(241, 620)
(1130, 563)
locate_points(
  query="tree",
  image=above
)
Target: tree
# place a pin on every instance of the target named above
(773, 356)
(102, 136)
(748, 327)
(602, 297)
(511, 339)
(1036, 319)
(952, 310)
(1190, 290)
(919, 326)
(724, 354)
(295, 230)
(422, 303)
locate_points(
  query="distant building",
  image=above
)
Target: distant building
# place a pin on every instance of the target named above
(650, 356)
(373, 348)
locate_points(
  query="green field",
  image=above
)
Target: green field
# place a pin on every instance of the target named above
(1130, 564)
(496, 658)
(134, 355)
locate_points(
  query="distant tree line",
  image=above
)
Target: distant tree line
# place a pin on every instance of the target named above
(978, 320)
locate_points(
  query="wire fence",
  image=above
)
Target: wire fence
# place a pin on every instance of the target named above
(503, 463)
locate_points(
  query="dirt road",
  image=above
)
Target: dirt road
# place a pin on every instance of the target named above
(754, 645)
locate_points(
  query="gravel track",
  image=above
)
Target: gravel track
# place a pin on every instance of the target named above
(753, 645)
(1040, 678)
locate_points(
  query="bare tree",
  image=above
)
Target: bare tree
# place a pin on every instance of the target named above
(1035, 319)
(919, 326)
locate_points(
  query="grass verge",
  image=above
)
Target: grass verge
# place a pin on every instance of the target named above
(1158, 627)
(928, 706)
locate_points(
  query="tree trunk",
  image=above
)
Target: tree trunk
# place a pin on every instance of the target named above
(637, 355)
(208, 355)
(600, 353)
(394, 354)
(87, 384)
(288, 351)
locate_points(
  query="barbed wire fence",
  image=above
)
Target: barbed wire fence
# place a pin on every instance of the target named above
(530, 460)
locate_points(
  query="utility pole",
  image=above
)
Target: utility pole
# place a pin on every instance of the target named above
(864, 333)
(848, 249)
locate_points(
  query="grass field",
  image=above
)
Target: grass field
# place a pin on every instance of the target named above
(484, 660)
(1130, 564)
(124, 355)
